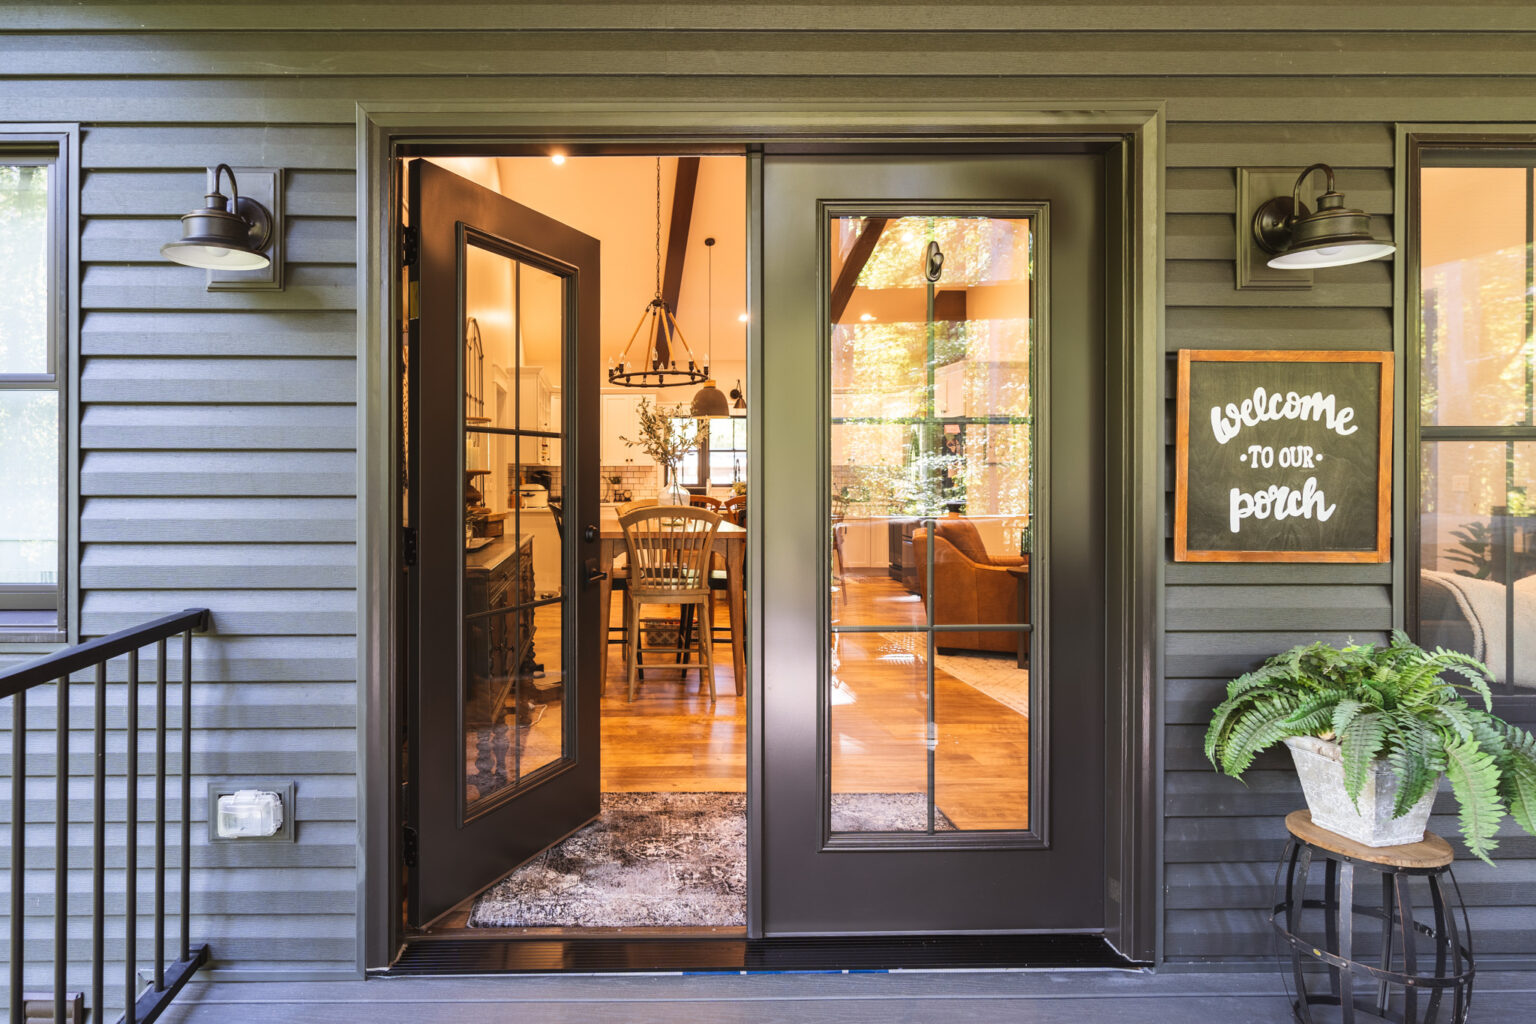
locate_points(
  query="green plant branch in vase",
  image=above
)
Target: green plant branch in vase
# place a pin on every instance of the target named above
(666, 437)
(1394, 711)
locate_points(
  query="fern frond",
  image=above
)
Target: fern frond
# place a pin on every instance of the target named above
(1517, 772)
(1260, 727)
(1475, 780)
(1344, 713)
(1414, 756)
(1360, 744)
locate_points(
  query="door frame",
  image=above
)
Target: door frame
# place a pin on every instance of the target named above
(1134, 338)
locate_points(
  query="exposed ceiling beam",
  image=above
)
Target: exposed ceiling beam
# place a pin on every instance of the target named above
(848, 277)
(677, 245)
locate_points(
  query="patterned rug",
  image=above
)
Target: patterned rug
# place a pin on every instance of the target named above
(996, 675)
(655, 859)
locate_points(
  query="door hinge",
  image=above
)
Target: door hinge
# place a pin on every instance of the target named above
(408, 545)
(408, 845)
(410, 245)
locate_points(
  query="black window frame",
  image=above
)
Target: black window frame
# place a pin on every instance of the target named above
(58, 147)
(1452, 150)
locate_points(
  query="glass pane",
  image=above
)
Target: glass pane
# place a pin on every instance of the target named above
(514, 351)
(29, 494)
(1477, 551)
(981, 716)
(932, 434)
(24, 262)
(879, 728)
(1475, 268)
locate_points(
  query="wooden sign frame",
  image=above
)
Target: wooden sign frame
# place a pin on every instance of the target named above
(1181, 549)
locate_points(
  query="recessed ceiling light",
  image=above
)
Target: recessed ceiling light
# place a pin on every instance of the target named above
(866, 317)
(557, 158)
(743, 318)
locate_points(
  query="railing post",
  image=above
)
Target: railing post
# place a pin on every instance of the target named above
(186, 795)
(160, 816)
(99, 849)
(131, 843)
(61, 851)
(18, 855)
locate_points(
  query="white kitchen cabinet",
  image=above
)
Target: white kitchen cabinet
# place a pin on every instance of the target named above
(534, 398)
(621, 420)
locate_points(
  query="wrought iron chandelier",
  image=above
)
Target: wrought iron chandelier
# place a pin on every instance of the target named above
(657, 367)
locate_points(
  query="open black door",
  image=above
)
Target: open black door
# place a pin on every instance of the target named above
(505, 645)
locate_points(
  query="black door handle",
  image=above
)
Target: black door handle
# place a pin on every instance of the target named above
(594, 574)
(589, 534)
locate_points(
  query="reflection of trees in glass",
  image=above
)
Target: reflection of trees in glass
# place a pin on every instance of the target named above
(24, 262)
(1475, 350)
(977, 250)
(29, 450)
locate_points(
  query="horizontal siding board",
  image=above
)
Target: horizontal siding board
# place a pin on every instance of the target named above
(219, 566)
(133, 193)
(1213, 190)
(1230, 99)
(1219, 885)
(1229, 573)
(1277, 607)
(1231, 654)
(218, 474)
(166, 286)
(313, 147)
(307, 240)
(170, 427)
(220, 380)
(1211, 283)
(319, 335)
(1278, 327)
(767, 53)
(1227, 15)
(1246, 933)
(218, 520)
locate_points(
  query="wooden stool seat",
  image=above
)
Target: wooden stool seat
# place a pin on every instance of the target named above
(1429, 853)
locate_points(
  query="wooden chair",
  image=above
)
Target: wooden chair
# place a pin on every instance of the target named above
(629, 506)
(669, 555)
(734, 508)
(839, 567)
(705, 501)
(618, 572)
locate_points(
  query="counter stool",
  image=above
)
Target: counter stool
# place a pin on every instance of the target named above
(1398, 975)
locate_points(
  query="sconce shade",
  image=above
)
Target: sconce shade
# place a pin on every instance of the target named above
(738, 401)
(710, 401)
(214, 238)
(1299, 239)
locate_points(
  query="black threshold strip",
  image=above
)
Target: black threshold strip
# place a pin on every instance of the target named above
(702, 955)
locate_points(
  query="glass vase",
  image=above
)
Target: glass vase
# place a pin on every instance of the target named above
(673, 493)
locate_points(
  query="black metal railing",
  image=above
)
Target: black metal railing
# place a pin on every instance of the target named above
(57, 669)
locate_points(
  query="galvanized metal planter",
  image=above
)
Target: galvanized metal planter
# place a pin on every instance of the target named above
(1320, 765)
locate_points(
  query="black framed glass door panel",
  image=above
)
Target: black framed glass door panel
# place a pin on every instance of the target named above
(903, 793)
(502, 722)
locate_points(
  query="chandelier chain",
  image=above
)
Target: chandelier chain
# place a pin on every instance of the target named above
(658, 227)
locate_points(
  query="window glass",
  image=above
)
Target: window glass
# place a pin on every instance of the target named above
(1477, 393)
(24, 261)
(29, 496)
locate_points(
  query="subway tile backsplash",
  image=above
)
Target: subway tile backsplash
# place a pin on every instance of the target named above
(638, 481)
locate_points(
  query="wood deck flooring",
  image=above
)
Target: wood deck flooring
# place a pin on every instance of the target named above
(956, 997)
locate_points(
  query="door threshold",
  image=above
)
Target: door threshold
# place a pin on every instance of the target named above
(675, 954)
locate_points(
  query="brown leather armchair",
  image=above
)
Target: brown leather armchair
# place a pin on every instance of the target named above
(970, 586)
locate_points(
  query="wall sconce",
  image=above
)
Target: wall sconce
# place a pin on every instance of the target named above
(1278, 233)
(231, 237)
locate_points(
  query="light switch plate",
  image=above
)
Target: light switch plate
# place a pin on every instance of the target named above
(225, 787)
(1255, 187)
(265, 185)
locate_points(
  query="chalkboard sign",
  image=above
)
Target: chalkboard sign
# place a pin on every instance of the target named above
(1283, 457)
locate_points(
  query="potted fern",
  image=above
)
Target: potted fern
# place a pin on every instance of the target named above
(1371, 730)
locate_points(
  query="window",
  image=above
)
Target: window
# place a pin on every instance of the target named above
(1476, 407)
(32, 397)
(722, 459)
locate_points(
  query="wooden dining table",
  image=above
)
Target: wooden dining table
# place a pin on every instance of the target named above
(730, 542)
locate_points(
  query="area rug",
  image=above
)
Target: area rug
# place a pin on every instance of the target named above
(996, 675)
(656, 859)
(650, 859)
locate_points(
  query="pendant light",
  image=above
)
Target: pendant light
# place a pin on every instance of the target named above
(657, 366)
(224, 235)
(710, 400)
(1332, 236)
